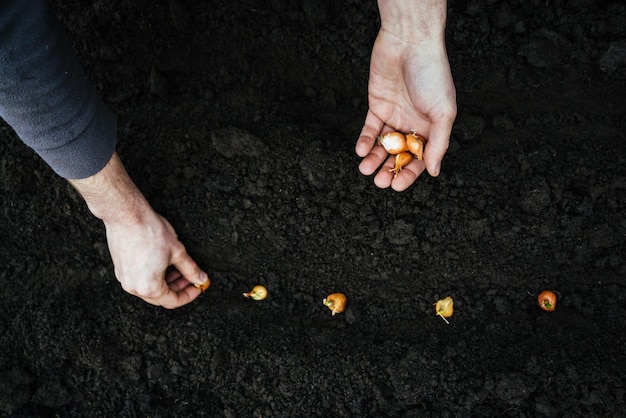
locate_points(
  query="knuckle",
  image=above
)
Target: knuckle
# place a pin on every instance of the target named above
(147, 289)
(179, 251)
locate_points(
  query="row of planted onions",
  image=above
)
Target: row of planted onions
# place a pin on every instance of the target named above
(337, 302)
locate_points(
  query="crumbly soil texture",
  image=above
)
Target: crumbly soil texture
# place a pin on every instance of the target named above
(238, 119)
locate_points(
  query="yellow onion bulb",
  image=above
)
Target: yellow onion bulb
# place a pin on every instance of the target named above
(204, 286)
(415, 144)
(401, 160)
(393, 142)
(258, 292)
(445, 308)
(336, 302)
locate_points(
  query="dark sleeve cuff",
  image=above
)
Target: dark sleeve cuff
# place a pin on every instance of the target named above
(45, 95)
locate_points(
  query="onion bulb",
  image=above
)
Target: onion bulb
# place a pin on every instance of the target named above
(336, 302)
(393, 142)
(204, 286)
(258, 292)
(445, 308)
(547, 300)
(401, 160)
(415, 144)
(404, 147)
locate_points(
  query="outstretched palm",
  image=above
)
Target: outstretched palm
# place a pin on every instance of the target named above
(410, 88)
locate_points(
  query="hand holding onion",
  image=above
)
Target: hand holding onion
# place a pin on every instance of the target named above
(410, 87)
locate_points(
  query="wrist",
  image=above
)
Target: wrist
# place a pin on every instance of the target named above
(112, 196)
(414, 21)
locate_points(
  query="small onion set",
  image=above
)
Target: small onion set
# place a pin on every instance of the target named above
(204, 286)
(336, 302)
(547, 300)
(258, 292)
(404, 147)
(445, 308)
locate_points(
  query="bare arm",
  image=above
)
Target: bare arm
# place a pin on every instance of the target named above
(142, 243)
(414, 20)
(410, 88)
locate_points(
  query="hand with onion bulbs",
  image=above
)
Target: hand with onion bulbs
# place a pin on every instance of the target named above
(143, 245)
(410, 90)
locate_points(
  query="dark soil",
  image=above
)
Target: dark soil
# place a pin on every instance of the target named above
(238, 120)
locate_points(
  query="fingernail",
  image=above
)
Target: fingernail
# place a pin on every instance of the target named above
(437, 170)
(205, 282)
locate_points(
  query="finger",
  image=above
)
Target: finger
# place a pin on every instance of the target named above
(187, 267)
(172, 275)
(408, 175)
(373, 160)
(174, 299)
(176, 281)
(171, 292)
(437, 145)
(371, 129)
(384, 176)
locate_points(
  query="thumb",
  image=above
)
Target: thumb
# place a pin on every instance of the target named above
(189, 269)
(437, 146)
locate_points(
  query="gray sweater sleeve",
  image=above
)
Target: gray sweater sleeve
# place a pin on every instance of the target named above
(45, 95)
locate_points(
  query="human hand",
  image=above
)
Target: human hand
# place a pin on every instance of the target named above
(410, 89)
(143, 245)
(142, 251)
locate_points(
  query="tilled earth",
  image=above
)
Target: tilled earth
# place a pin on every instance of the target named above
(238, 120)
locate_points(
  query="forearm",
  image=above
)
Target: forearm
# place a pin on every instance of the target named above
(414, 20)
(112, 196)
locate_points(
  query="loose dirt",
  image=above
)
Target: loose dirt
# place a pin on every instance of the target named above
(238, 121)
